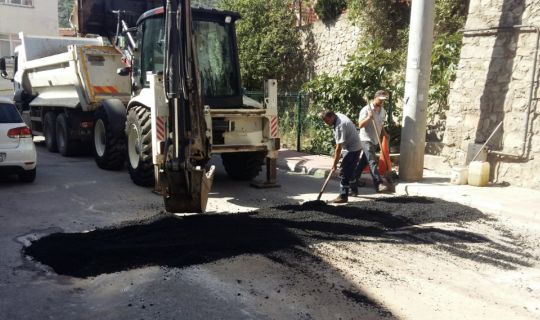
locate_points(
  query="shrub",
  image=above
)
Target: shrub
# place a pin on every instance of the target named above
(329, 10)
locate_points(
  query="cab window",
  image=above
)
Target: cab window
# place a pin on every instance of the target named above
(151, 45)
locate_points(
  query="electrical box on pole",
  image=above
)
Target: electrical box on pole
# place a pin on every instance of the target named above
(413, 132)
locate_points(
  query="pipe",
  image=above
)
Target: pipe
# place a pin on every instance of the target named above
(489, 138)
(532, 81)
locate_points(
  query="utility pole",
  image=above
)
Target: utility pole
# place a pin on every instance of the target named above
(413, 132)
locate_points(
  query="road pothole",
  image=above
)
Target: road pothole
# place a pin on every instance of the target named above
(178, 242)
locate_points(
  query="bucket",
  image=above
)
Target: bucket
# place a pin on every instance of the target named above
(459, 175)
(478, 173)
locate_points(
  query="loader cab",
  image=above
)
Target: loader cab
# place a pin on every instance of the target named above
(217, 54)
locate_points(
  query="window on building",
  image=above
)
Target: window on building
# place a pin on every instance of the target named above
(27, 3)
(5, 45)
(8, 44)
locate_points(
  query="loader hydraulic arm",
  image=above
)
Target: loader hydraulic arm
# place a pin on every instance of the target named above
(185, 182)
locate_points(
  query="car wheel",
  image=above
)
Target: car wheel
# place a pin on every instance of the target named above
(49, 131)
(28, 175)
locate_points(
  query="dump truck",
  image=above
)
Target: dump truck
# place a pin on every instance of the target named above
(172, 99)
(59, 82)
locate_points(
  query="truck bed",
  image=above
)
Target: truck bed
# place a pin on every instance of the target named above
(71, 72)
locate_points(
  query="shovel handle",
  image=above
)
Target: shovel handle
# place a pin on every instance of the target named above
(380, 143)
(325, 183)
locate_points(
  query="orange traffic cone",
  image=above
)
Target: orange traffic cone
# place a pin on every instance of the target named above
(385, 165)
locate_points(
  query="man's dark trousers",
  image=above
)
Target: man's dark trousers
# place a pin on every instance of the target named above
(346, 173)
(369, 157)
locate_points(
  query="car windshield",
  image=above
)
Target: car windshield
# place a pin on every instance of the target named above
(9, 114)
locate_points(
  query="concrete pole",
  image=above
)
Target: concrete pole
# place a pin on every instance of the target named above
(413, 132)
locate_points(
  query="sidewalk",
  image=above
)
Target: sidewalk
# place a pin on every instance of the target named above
(519, 204)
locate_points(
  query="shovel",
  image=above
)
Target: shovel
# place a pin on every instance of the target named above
(325, 183)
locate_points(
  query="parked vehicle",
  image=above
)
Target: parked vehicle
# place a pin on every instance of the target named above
(17, 149)
(160, 85)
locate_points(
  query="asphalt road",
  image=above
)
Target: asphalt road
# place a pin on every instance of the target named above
(83, 243)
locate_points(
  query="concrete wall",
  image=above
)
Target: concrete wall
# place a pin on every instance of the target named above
(39, 19)
(331, 44)
(493, 84)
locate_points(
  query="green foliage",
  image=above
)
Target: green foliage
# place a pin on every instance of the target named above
(329, 10)
(205, 3)
(381, 19)
(64, 11)
(269, 43)
(372, 67)
(450, 16)
(368, 70)
(444, 61)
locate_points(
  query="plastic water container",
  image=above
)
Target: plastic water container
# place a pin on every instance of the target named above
(459, 175)
(478, 173)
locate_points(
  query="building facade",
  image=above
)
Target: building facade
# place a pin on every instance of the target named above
(36, 17)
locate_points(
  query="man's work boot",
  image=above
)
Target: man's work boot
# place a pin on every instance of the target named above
(388, 186)
(380, 188)
(353, 190)
(340, 199)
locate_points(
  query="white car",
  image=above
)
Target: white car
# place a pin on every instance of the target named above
(17, 149)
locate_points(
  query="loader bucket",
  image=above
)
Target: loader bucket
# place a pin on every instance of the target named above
(97, 16)
(180, 200)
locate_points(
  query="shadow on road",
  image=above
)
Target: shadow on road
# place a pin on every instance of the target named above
(180, 242)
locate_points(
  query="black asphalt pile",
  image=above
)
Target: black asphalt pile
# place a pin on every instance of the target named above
(170, 241)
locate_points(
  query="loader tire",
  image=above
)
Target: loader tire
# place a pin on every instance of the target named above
(49, 131)
(243, 165)
(66, 145)
(109, 146)
(139, 146)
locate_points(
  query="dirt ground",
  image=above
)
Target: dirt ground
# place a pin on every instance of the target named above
(384, 258)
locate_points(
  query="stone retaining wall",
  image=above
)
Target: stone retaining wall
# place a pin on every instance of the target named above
(331, 44)
(493, 84)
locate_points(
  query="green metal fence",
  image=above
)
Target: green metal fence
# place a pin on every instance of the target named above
(293, 123)
(300, 130)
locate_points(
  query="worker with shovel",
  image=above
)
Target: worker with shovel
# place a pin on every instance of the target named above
(370, 122)
(348, 145)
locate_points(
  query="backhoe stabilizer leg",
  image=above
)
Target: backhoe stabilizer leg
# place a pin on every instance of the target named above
(271, 175)
(181, 197)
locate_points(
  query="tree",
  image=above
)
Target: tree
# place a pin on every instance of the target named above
(270, 45)
(64, 11)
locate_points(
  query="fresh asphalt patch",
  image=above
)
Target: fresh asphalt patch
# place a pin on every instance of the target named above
(285, 234)
(178, 242)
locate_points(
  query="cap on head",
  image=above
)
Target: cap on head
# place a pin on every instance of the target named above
(381, 94)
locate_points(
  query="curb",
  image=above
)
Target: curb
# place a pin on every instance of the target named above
(302, 167)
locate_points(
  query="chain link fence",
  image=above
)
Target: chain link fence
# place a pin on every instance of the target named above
(298, 128)
(294, 124)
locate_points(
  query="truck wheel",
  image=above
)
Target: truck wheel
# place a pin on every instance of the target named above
(109, 148)
(49, 131)
(139, 146)
(66, 146)
(243, 165)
